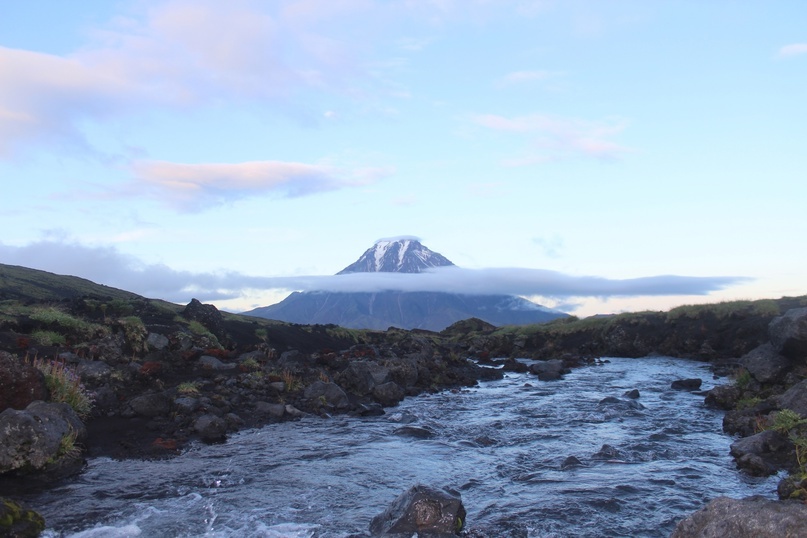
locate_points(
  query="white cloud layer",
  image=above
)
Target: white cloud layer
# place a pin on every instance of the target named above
(793, 49)
(552, 138)
(196, 186)
(106, 265)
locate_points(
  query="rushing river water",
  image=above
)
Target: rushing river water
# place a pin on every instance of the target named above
(502, 445)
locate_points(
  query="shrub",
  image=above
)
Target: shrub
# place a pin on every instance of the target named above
(65, 386)
(787, 420)
(188, 388)
(48, 338)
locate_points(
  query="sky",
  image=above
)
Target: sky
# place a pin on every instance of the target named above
(595, 156)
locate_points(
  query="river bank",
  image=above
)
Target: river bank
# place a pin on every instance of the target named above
(162, 376)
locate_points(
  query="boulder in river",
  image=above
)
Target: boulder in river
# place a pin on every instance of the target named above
(752, 517)
(548, 370)
(686, 384)
(327, 394)
(422, 510)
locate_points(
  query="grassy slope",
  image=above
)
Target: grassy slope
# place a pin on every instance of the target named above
(23, 284)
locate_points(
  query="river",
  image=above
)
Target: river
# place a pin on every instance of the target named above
(502, 445)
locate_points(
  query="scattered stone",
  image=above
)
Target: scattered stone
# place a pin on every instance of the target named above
(686, 384)
(157, 341)
(152, 404)
(513, 365)
(418, 432)
(211, 429)
(328, 394)
(571, 461)
(270, 409)
(422, 510)
(208, 362)
(607, 452)
(752, 517)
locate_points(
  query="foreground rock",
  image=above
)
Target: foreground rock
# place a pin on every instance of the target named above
(39, 436)
(754, 517)
(18, 522)
(422, 510)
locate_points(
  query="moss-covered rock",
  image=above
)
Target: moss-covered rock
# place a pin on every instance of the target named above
(16, 521)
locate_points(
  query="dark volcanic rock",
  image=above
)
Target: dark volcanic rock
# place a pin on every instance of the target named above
(788, 333)
(422, 510)
(753, 517)
(206, 314)
(765, 364)
(328, 394)
(723, 397)
(150, 405)
(795, 398)
(550, 370)
(686, 384)
(32, 438)
(210, 428)
(20, 383)
(389, 394)
(763, 454)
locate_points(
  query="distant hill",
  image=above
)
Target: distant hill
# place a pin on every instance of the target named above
(407, 310)
(24, 284)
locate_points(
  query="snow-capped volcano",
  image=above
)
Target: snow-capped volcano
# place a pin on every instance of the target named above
(408, 310)
(396, 256)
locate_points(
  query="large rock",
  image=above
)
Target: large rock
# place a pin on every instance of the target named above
(33, 438)
(763, 454)
(389, 394)
(20, 383)
(686, 384)
(152, 404)
(206, 314)
(361, 377)
(765, 364)
(328, 394)
(548, 370)
(753, 517)
(795, 398)
(210, 428)
(422, 510)
(788, 333)
(723, 397)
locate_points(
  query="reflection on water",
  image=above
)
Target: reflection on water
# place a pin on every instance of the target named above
(502, 445)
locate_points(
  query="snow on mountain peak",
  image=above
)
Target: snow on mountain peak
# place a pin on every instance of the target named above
(401, 255)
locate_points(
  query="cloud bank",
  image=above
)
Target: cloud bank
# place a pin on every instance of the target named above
(106, 265)
(793, 49)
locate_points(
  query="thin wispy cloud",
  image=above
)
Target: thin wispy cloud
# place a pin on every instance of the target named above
(552, 138)
(106, 265)
(521, 77)
(794, 49)
(198, 186)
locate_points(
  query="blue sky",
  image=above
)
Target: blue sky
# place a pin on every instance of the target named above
(568, 151)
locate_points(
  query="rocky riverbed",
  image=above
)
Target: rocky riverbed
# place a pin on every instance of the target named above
(162, 376)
